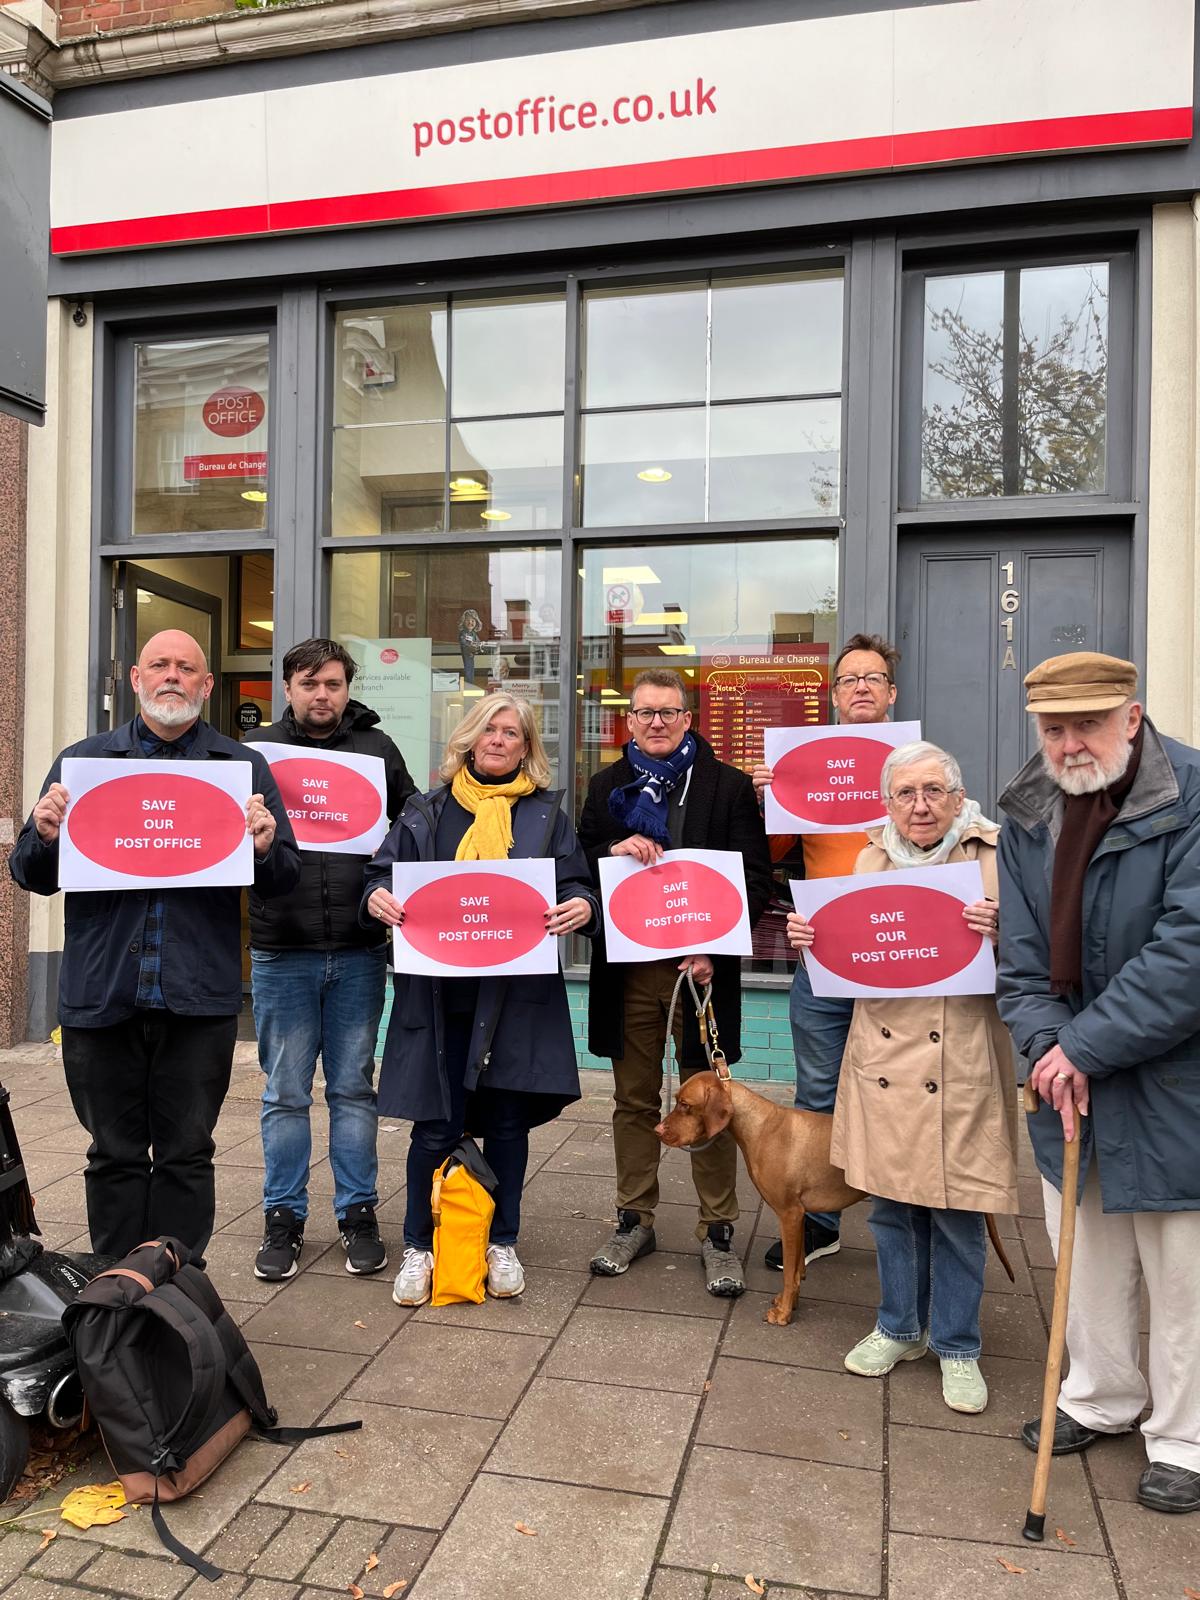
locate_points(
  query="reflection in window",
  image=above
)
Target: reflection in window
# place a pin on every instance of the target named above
(1015, 395)
(426, 404)
(200, 435)
(674, 380)
(434, 629)
(753, 649)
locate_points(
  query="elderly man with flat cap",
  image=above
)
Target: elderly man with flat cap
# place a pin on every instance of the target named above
(1099, 984)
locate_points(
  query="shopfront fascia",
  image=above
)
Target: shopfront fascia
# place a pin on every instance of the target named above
(716, 431)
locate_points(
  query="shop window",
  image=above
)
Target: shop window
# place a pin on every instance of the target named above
(449, 415)
(434, 629)
(200, 435)
(1015, 382)
(713, 401)
(753, 648)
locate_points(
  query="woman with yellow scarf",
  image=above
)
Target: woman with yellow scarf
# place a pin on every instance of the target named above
(492, 1057)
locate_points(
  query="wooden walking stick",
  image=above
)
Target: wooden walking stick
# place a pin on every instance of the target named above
(1035, 1518)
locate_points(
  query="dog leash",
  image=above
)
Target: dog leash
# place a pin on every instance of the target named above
(706, 1021)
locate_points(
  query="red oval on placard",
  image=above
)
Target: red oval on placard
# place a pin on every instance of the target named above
(704, 905)
(439, 925)
(937, 942)
(233, 411)
(346, 806)
(157, 825)
(811, 788)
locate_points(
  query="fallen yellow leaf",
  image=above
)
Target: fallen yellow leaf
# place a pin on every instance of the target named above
(395, 1588)
(372, 1561)
(753, 1584)
(1065, 1538)
(48, 1534)
(353, 1589)
(345, 1454)
(1192, 1594)
(1008, 1566)
(360, 1324)
(93, 1506)
(842, 1434)
(302, 1488)
(521, 1527)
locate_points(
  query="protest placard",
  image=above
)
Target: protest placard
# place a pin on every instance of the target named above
(474, 919)
(896, 933)
(827, 779)
(134, 824)
(691, 902)
(335, 801)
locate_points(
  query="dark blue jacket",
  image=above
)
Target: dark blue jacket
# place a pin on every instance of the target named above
(522, 1035)
(201, 953)
(1135, 1028)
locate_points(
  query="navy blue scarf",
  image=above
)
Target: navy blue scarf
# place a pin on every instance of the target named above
(641, 806)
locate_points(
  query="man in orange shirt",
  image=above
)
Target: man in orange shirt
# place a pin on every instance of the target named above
(864, 690)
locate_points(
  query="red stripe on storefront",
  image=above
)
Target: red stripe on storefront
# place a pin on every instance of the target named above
(834, 158)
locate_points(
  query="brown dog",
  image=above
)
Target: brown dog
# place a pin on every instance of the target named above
(787, 1155)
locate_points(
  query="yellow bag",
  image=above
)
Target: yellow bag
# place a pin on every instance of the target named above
(462, 1220)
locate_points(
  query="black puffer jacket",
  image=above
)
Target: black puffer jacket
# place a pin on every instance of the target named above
(322, 912)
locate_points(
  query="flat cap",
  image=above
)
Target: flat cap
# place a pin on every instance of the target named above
(1080, 682)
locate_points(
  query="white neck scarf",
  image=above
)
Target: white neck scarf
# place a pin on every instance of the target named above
(903, 852)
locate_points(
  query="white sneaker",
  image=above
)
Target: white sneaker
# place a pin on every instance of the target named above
(506, 1275)
(414, 1281)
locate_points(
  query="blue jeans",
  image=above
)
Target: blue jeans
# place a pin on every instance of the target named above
(819, 1029)
(505, 1146)
(327, 1003)
(930, 1275)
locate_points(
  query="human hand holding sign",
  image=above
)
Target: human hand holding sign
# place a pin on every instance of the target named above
(983, 916)
(761, 778)
(384, 906)
(568, 917)
(800, 933)
(49, 812)
(1061, 1084)
(260, 824)
(647, 851)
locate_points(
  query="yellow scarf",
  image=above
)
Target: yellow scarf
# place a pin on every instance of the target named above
(490, 836)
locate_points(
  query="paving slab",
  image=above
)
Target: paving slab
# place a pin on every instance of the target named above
(794, 1522)
(633, 1347)
(1115, 1464)
(1158, 1556)
(405, 1466)
(614, 1441)
(781, 1412)
(949, 1569)
(1014, 1395)
(590, 1544)
(550, 1297)
(301, 1384)
(319, 1312)
(665, 1282)
(819, 1335)
(472, 1371)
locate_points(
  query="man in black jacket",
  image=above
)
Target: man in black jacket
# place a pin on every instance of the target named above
(318, 979)
(667, 792)
(151, 981)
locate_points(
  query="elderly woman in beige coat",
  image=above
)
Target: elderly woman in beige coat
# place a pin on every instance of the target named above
(926, 1106)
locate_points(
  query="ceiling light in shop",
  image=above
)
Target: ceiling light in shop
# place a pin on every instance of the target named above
(464, 485)
(267, 626)
(678, 649)
(145, 598)
(615, 702)
(472, 694)
(654, 475)
(256, 497)
(496, 516)
(662, 619)
(466, 490)
(630, 575)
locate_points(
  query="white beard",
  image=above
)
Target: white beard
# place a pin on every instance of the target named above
(1088, 776)
(172, 712)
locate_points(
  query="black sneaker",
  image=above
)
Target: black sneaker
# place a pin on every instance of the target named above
(818, 1241)
(282, 1243)
(359, 1234)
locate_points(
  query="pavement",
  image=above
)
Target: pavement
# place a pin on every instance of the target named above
(599, 1439)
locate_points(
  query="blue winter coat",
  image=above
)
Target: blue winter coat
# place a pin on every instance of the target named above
(1135, 1029)
(522, 1035)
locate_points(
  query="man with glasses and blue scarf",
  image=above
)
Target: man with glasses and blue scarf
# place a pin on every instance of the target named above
(668, 791)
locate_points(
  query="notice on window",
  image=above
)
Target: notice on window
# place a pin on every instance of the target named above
(474, 919)
(896, 933)
(395, 680)
(691, 902)
(827, 779)
(154, 824)
(742, 694)
(336, 803)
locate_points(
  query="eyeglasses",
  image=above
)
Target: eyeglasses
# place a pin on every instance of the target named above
(669, 716)
(933, 795)
(851, 680)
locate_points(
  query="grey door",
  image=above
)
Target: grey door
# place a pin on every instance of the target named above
(976, 611)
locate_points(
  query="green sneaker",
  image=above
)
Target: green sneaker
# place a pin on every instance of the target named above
(963, 1388)
(877, 1354)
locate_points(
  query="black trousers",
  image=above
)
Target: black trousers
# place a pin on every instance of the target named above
(149, 1090)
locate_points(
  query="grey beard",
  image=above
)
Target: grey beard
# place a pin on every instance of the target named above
(170, 713)
(1077, 781)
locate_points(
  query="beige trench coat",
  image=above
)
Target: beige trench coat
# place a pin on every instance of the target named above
(927, 1099)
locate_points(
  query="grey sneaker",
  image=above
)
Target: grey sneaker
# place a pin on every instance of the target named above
(722, 1269)
(963, 1388)
(876, 1355)
(630, 1242)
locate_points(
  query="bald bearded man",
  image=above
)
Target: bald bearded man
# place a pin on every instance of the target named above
(151, 980)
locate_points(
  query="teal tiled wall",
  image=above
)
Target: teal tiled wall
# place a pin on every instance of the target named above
(766, 1034)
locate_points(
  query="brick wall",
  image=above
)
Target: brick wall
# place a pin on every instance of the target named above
(766, 1033)
(107, 16)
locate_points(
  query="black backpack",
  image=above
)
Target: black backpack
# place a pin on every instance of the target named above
(169, 1380)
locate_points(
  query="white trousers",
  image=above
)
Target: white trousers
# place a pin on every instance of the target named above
(1105, 1389)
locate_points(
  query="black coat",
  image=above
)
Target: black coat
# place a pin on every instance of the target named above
(521, 1035)
(321, 913)
(201, 952)
(721, 814)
